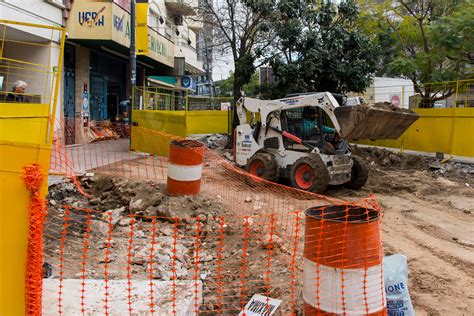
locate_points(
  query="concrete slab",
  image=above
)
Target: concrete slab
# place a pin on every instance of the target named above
(93, 155)
(94, 297)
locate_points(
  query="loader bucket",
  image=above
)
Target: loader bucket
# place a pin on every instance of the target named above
(380, 121)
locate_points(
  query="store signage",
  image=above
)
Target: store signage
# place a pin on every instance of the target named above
(91, 18)
(186, 82)
(118, 22)
(108, 21)
(142, 27)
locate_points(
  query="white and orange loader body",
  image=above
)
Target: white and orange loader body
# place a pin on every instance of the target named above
(271, 141)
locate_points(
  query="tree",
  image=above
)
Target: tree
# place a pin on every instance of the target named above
(251, 89)
(433, 42)
(321, 48)
(241, 29)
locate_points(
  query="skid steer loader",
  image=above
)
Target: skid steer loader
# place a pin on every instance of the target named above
(304, 138)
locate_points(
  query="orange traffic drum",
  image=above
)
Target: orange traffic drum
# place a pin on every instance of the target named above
(185, 167)
(343, 262)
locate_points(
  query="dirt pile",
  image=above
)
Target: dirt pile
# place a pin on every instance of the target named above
(390, 107)
(379, 157)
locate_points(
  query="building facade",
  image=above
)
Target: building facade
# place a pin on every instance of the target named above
(30, 54)
(97, 67)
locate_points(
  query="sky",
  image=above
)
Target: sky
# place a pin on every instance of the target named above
(221, 67)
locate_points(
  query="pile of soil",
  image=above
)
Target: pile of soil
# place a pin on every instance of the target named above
(390, 107)
(389, 160)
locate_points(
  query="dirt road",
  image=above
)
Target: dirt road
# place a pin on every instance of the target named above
(430, 219)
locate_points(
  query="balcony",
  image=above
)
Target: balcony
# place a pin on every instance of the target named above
(195, 24)
(181, 7)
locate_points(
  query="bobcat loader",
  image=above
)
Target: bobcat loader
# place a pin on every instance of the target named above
(304, 138)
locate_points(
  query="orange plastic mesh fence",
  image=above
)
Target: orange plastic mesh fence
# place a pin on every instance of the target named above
(34, 178)
(207, 254)
(208, 264)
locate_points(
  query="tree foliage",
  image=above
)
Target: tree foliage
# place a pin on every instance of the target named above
(433, 39)
(241, 30)
(251, 89)
(321, 48)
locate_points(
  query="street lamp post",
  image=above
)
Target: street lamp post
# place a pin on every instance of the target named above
(133, 55)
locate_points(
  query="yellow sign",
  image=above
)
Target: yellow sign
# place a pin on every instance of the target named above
(141, 33)
(107, 21)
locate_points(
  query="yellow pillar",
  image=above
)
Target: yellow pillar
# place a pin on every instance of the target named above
(26, 133)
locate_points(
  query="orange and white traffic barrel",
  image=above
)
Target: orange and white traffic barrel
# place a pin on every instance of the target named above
(343, 262)
(185, 167)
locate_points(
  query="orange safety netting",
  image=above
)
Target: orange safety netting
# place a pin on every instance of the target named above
(33, 178)
(240, 236)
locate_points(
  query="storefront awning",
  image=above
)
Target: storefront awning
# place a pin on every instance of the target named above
(161, 83)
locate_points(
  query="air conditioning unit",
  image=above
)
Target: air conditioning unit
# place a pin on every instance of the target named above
(178, 20)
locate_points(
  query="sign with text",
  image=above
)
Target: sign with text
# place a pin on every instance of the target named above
(142, 27)
(109, 22)
(260, 305)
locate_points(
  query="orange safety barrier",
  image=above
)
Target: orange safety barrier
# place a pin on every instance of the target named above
(157, 264)
(210, 253)
(343, 261)
(185, 167)
(33, 178)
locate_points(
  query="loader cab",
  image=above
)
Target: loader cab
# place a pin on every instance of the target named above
(312, 125)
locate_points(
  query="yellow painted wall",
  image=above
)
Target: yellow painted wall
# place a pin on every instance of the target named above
(23, 140)
(206, 122)
(153, 130)
(450, 131)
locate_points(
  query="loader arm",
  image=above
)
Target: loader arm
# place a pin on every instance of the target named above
(323, 100)
(361, 121)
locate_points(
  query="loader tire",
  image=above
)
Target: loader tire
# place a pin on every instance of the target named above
(359, 174)
(262, 165)
(310, 174)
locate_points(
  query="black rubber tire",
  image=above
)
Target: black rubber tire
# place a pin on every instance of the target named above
(359, 174)
(321, 177)
(269, 170)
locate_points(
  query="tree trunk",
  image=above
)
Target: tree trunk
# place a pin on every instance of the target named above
(233, 118)
(426, 100)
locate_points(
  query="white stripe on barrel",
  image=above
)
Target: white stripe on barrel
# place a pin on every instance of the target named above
(184, 173)
(330, 283)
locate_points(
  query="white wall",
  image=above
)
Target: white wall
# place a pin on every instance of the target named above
(33, 11)
(38, 78)
(385, 88)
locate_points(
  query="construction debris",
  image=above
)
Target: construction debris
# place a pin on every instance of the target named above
(404, 161)
(214, 141)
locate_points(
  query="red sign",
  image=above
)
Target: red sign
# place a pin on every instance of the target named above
(395, 100)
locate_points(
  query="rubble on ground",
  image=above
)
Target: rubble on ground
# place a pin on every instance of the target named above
(445, 167)
(214, 141)
(177, 225)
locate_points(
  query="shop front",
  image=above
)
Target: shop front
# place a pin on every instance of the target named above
(100, 35)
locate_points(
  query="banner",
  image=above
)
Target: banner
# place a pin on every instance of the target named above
(142, 27)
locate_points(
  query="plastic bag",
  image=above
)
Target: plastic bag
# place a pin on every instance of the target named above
(395, 271)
